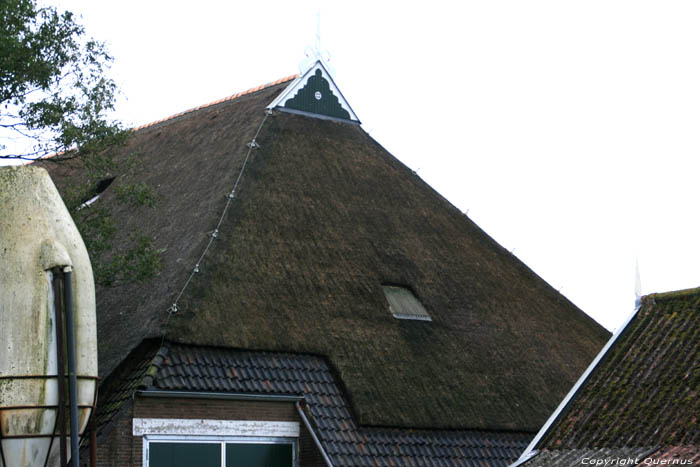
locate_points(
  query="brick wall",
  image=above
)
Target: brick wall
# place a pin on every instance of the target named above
(117, 447)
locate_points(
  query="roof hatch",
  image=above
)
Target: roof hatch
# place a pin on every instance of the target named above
(403, 304)
(315, 94)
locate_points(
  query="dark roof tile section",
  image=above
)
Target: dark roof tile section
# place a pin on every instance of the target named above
(646, 389)
(133, 374)
(186, 368)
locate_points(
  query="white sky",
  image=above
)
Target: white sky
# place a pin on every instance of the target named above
(567, 130)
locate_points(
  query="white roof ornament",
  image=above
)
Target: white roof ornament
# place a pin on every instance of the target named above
(315, 53)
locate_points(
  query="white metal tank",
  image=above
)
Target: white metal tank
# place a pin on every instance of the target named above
(37, 235)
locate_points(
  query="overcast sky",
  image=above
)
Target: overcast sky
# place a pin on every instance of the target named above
(567, 130)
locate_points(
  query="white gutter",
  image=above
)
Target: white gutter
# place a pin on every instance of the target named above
(530, 451)
(217, 395)
(300, 409)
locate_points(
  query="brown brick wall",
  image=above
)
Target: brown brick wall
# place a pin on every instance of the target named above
(116, 447)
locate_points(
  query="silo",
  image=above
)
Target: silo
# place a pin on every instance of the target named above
(39, 248)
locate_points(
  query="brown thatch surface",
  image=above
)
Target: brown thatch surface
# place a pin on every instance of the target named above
(324, 217)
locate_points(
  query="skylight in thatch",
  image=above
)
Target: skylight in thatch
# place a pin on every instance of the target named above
(403, 304)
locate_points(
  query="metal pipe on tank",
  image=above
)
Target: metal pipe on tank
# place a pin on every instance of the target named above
(72, 376)
(60, 374)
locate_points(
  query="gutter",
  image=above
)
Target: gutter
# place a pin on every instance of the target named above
(219, 396)
(313, 434)
(530, 450)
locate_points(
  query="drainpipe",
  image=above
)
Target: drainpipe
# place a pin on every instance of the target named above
(61, 373)
(93, 438)
(313, 434)
(72, 377)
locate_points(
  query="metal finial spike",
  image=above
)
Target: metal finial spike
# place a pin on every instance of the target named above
(317, 44)
(315, 53)
(637, 284)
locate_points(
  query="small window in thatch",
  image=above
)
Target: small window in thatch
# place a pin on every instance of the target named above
(101, 186)
(403, 304)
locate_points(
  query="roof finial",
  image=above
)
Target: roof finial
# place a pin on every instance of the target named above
(317, 44)
(315, 53)
(637, 284)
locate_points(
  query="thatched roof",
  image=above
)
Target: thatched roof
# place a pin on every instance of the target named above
(641, 399)
(324, 216)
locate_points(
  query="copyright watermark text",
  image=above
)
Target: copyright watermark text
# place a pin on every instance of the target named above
(617, 461)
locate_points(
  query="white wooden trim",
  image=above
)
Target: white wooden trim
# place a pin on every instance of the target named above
(203, 427)
(296, 85)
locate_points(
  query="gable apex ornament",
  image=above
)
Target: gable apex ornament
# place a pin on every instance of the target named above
(315, 94)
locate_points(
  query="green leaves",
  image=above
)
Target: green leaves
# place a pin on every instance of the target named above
(140, 262)
(118, 257)
(136, 195)
(54, 94)
(55, 97)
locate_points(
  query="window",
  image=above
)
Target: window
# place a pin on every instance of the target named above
(403, 304)
(217, 443)
(101, 186)
(219, 452)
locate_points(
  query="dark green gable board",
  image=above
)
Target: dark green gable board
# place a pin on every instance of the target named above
(316, 97)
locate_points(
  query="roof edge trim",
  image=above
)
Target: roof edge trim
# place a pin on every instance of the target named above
(320, 116)
(530, 450)
(525, 458)
(220, 395)
(407, 317)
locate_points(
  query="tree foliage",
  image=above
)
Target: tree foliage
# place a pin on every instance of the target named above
(55, 96)
(137, 258)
